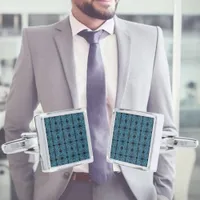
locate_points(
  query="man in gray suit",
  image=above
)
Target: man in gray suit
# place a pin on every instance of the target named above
(120, 64)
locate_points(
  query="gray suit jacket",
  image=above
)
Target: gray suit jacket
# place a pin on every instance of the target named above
(45, 74)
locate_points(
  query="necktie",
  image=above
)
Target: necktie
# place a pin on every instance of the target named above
(99, 170)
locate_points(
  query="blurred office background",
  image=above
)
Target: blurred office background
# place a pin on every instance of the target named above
(15, 15)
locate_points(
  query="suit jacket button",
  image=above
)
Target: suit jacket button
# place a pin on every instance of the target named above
(66, 175)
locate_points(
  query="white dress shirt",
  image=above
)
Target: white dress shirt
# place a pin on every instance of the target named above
(108, 47)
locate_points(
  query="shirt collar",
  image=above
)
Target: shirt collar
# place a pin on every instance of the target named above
(77, 26)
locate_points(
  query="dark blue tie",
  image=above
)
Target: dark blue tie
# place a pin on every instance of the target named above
(99, 170)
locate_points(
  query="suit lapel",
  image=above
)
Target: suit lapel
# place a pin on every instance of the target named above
(64, 43)
(124, 51)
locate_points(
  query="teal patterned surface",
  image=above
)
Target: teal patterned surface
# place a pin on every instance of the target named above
(132, 138)
(67, 139)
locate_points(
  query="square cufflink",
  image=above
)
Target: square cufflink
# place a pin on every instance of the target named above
(64, 139)
(135, 139)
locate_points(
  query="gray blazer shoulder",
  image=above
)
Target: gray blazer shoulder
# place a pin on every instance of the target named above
(38, 34)
(148, 33)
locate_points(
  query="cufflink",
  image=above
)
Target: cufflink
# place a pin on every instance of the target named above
(136, 139)
(63, 140)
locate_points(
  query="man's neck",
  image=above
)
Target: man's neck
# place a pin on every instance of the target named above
(90, 22)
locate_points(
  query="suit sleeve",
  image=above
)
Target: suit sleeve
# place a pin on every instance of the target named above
(20, 106)
(160, 101)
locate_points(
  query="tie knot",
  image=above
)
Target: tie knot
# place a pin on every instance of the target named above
(91, 37)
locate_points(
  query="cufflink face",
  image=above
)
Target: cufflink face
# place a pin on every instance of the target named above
(64, 139)
(132, 138)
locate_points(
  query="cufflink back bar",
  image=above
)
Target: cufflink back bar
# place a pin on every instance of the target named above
(169, 143)
(21, 145)
(132, 140)
(64, 139)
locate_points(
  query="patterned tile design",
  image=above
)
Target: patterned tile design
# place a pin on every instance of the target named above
(132, 138)
(67, 139)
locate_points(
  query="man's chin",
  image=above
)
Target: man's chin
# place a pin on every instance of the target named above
(106, 10)
(97, 10)
(103, 15)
